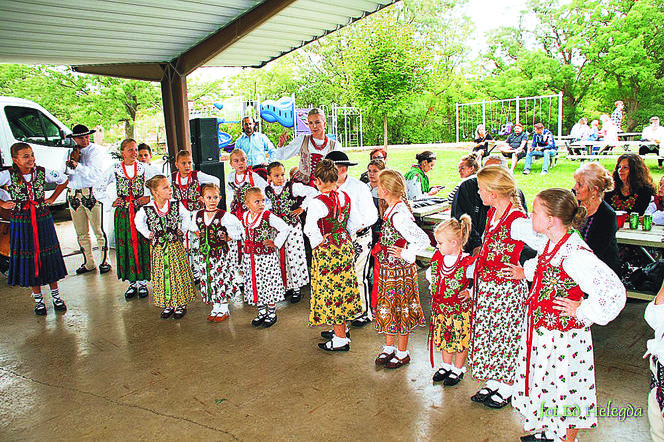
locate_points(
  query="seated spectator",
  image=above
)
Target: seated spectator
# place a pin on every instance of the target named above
(594, 131)
(376, 154)
(483, 140)
(468, 167)
(543, 145)
(581, 131)
(656, 206)
(599, 229)
(417, 181)
(654, 133)
(515, 145)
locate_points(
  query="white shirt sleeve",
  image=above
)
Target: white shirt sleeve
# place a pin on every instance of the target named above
(283, 229)
(606, 294)
(89, 170)
(140, 220)
(53, 176)
(522, 230)
(186, 218)
(233, 226)
(367, 207)
(5, 177)
(654, 315)
(289, 150)
(417, 240)
(103, 190)
(529, 268)
(205, 178)
(414, 189)
(315, 212)
(308, 192)
(428, 275)
(652, 208)
(259, 182)
(658, 217)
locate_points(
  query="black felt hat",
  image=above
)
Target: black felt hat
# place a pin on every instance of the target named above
(339, 158)
(80, 130)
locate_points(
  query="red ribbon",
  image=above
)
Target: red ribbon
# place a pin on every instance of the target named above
(376, 273)
(35, 234)
(282, 256)
(132, 214)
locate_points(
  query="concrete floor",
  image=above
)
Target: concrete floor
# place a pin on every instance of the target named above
(111, 369)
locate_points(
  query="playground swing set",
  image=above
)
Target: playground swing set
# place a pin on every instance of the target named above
(500, 116)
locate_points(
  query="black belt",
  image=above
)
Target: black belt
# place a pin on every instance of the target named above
(364, 231)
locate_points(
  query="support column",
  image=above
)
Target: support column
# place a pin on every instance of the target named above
(176, 111)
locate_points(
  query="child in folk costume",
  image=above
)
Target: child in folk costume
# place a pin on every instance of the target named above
(335, 297)
(187, 190)
(239, 181)
(215, 228)
(283, 197)
(572, 289)
(498, 309)
(35, 258)
(164, 222)
(132, 250)
(396, 298)
(265, 234)
(450, 276)
(654, 316)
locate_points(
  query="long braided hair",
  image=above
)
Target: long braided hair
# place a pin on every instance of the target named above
(393, 182)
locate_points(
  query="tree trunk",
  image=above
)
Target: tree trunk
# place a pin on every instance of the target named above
(385, 131)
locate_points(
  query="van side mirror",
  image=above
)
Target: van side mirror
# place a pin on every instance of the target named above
(66, 142)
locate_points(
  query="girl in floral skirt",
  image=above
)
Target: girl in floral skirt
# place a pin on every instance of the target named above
(396, 298)
(335, 298)
(572, 289)
(450, 275)
(36, 258)
(164, 222)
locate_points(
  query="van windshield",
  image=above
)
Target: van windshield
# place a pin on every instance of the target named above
(31, 126)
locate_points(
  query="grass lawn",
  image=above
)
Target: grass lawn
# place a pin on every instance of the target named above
(445, 171)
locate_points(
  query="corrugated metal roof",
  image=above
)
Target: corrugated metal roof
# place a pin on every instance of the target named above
(90, 32)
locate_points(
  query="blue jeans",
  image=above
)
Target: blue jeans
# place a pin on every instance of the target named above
(547, 154)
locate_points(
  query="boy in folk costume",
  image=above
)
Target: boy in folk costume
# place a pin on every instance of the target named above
(283, 198)
(215, 228)
(35, 258)
(132, 250)
(265, 233)
(164, 221)
(187, 190)
(311, 148)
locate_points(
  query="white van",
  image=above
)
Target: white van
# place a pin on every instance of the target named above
(26, 121)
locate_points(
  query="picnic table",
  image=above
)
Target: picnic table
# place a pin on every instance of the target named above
(637, 237)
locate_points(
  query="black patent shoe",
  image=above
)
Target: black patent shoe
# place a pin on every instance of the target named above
(180, 312)
(82, 269)
(536, 437)
(361, 321)
(143, 291)
(453, 379)
(329, 334)
(167, 312)
(131, 292)
(270, 320)
(104, 268)
(40, 309)
(329, 346)
(497, 401)
(259, 319)
(59, 305)
(441, 375)
(482, 395)
(296, 297)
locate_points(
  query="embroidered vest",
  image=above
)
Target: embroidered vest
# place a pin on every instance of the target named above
(239, 191)
(309, 161)
(498, 248)
(212, 234)
(335, 225)
(126, 188)
(445, 288)
(284, 203)
(188, 194)
(390, 236)
(255, 237)
(23, 192)
(165, 229)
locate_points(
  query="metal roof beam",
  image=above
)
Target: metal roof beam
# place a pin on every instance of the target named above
(132, 71)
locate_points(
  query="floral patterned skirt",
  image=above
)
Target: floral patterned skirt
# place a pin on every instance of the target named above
(335, 297)
(171, 275)
(499, 314)
(266, 274)
(451, 333)
(562, 391)
(218, 277)
(124, 250)
(398, 308)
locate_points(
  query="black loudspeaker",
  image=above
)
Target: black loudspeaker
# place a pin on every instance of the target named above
(204, 140)
(215, 169)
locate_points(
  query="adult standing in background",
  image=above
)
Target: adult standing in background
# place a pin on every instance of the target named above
(84, 169)
(376, 154)
(364, 215)
(654, 133)
(417, 181)
(256, 145)
(311, 148)
(617, 115)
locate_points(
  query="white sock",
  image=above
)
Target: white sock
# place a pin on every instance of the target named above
(142, 283)
(505, 390)
(339, 342)
(223, 308)
(493, 385)
(132, 284)
(55, 293)
(37, 297)
(458, 370)
(389, 349)
(447, 367)
(401, 354)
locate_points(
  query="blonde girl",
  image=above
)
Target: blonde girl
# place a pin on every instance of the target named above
(572, 289)
(499, 301)
(239, 181)
(450, 275)
(396, 296)
(164, 222)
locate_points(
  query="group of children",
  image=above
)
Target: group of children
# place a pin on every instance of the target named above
(532, 344)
